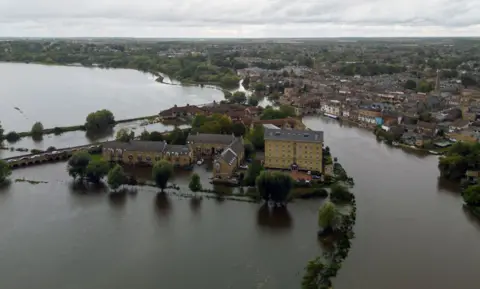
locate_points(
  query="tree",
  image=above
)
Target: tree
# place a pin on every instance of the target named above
(410, 84)
(253, 172)
(238, 129)
(467, 81)
(177, 137)
(162, 171)
(156, 136)
(195, 184)
(5, 171)
(99, 121)
(145, 135)
(116, 177)
(260, 86)
(274, 186)
(471, 195)
(340, 193)
(249, 149)
(425, 86)
(1, 132)
(37, 129)
(238, 97)
(328, 216)
(256, 137)
(77, 165)
(96, 170)
(12, 136)
(252, 101)
(124, 135)
(227, 94)
(283, 112)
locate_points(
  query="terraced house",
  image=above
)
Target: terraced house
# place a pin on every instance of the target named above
(147, 152)
(294, 149)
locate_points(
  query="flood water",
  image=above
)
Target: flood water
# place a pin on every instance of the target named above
(64, 96)
(411, 231)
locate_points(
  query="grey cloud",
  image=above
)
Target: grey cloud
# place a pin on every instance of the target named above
(238, 16)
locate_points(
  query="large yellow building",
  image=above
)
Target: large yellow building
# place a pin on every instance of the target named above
(293, 149)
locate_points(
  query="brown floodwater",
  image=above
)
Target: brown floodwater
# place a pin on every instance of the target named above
(411, 231)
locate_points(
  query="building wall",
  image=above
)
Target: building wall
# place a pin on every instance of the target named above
(205, 148)
(225, 171)
(138, 157)
(309, 156)
(282, 154)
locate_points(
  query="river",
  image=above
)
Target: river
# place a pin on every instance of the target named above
(411, 231)
(64, 96)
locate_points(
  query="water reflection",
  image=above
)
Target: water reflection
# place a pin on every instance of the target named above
(448, 186)
(163, 206)
(196, 203)
(117, 200)
(83, 188)
(274, 218)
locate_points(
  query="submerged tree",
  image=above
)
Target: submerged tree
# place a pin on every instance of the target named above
(5, 171)
(328, 216)
(116, 177)
(274, 186)
(37, 129)
(96, 170)
(162, 171)
(77, 165)
(195, 184)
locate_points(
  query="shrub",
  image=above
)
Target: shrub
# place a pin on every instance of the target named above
(12, 136)
(340, 194)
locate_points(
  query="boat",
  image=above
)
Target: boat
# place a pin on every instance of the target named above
(434, 152)
(331, 115)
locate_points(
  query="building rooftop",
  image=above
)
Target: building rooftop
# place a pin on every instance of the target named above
(270, 126)
(210, 138)
(293, 135)
(137, 145)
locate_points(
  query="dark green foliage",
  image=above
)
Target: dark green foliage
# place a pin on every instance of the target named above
(468, 81)
(411, 84)
(1, 132)
(99, 121)
(274, 186)
(459, 158)
(252, 173)
(124, 135)
(252, 101)
(238, 97)
(162, 171)
(249, 149)
(260, 86)
(37, 129)
(96, 170)
(284, 112)
(5, 171)
(256, 137)
(77, 165)
(328, 216)
(238, 129)
(471, 195)
(195, 184)
(340, 194)
(116, 177)
(177, 137)
(12, 136)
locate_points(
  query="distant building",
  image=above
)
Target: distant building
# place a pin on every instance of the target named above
(293, 149)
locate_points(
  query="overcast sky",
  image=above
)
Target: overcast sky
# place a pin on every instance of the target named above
(239, 18)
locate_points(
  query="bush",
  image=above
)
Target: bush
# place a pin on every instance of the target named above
(340, 194)
(57, 130)
(51, 149)
(35, 151)
(37, 129)
(12, 136)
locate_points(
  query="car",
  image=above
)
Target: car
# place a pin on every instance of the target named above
(244, 167)
(315, 177)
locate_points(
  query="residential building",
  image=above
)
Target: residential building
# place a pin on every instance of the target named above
(229, 160)
(205, 145)
(180, 111)
(138, 152)
(294, 149)
(283, 123)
